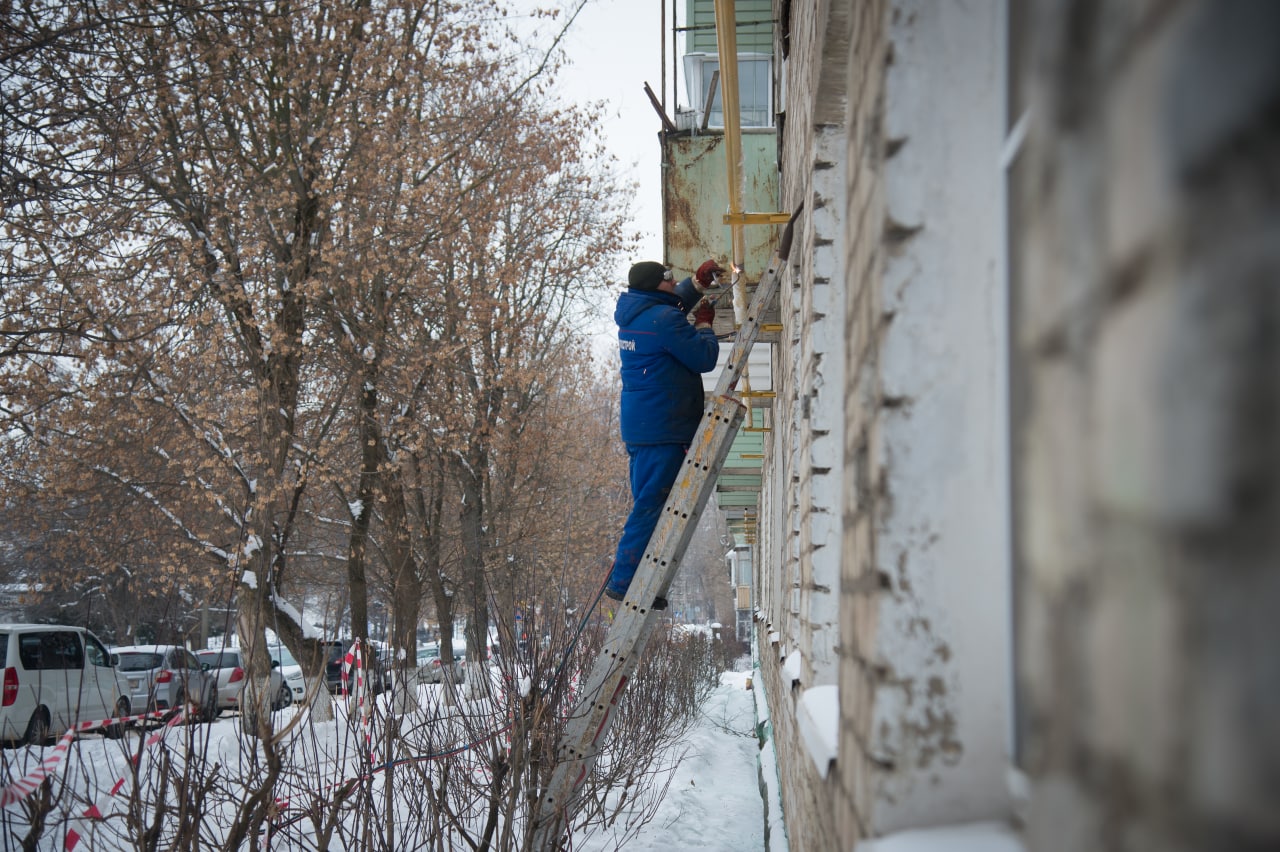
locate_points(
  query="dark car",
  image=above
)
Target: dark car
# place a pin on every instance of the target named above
(335, 651)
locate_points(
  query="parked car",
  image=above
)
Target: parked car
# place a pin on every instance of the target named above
(227, 668)
(430, 668)
(336, 650)
(54, 677)
(167, 676)
(291, 671)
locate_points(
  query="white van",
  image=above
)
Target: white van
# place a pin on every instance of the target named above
(55, 676)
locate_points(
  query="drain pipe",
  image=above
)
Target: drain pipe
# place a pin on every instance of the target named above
(727, 47)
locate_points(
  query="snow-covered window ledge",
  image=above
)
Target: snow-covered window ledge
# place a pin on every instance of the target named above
(792, 667)
(969, 837)
(818, 717)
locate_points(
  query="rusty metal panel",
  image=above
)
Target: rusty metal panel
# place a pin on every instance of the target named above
(695, 198)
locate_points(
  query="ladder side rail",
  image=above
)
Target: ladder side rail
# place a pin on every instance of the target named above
(634, 623)
(750, 328)
(689, 494)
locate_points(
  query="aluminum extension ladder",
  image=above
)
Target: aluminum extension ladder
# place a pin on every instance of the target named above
(635, 621)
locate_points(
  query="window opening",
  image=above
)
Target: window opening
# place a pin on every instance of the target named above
(755, 87)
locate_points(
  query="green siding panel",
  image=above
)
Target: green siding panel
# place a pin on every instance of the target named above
(755, 26)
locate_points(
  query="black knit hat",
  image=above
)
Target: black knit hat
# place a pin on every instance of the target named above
(646, 275)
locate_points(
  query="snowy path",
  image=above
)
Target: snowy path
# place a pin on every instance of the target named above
(714, 801)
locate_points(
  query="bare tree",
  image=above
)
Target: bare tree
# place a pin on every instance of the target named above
(278, 178)
(329, 288)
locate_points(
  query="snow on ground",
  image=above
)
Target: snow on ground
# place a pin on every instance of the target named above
(713, 802)
(714, 799)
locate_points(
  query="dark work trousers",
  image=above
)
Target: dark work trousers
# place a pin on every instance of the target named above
(653, 471)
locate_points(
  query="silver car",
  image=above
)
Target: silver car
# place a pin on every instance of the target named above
(227, 668)
(430, 668)
(161, 677)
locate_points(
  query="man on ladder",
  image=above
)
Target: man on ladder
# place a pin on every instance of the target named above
(663, 358)
(588, 722)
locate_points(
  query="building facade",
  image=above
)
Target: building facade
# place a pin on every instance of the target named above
(1017, 539)
(885, 568)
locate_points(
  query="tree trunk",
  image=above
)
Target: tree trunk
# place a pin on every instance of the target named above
(253, 615)
(406, 596)
(475, 588)
(430, 513)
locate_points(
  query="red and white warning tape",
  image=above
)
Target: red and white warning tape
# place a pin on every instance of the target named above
(29, 783)
(354, 662)
(95, 810)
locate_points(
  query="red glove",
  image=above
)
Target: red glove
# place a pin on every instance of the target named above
(704, 315)
(706, 272)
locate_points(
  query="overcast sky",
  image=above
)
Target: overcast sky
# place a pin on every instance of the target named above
(614, 48)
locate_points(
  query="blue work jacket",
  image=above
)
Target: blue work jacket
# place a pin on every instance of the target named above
(663, 357)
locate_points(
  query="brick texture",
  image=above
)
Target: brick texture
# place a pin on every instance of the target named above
(1147, 428)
